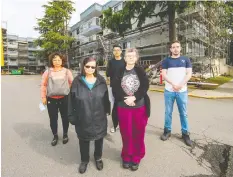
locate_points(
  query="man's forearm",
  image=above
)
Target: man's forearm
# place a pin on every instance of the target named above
(166, 79)
(186, 79)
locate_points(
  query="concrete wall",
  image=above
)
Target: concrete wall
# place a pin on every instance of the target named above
(224, 68)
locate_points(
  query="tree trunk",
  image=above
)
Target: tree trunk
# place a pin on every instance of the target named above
(66, 34)
(171, 21)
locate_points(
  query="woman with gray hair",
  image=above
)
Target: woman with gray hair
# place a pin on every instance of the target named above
(130, 91)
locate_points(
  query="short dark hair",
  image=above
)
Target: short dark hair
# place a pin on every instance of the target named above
(85, 61)
(53, 55)
(116, 45)
(175, 41)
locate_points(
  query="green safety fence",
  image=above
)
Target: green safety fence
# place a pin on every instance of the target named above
(16, 72)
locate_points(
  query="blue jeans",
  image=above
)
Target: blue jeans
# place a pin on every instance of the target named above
(181, 100)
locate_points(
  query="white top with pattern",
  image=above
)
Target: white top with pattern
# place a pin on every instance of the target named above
(130, 82)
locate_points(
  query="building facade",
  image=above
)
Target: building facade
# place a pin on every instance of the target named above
(21, 52)
(194, 29)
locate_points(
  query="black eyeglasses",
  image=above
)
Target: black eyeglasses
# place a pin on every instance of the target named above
(92, 67)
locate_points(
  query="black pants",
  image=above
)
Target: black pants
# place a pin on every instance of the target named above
(53, 106)
(114, 115)
(85, 148)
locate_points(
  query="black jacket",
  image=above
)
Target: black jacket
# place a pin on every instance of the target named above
(87, 108)
(119, 93)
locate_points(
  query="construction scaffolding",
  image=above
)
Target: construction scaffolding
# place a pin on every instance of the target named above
(198, 31)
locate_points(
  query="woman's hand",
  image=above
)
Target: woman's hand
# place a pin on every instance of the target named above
(129, 100)
(44, 101)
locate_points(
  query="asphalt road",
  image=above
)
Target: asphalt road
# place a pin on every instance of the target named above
(26, 137)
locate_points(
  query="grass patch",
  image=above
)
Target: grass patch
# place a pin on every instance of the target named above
(219, 80)
(215, 80)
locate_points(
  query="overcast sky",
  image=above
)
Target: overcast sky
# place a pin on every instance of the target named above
(21, 15)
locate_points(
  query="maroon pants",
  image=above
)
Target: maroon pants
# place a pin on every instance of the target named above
(132, 122)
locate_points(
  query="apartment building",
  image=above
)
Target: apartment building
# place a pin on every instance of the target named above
(92, 40)
(85, 32)
(21, 52)
(193, 30)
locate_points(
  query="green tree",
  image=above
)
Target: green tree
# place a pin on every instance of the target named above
(227, 20)
(53, 27)
(140, 10)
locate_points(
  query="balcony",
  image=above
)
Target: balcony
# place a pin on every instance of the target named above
(93, 11)
(89, 45)
(12, 45)
(12, 63)
(12, 54)
(22, 48)
(82, 39)
(34, 48)
(23, 62)
(31, 56)
(32, 63)
(91, 27)
(23, 55)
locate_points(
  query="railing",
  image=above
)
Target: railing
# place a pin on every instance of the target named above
(12, 53)
(10, 63)
(23, 62)
(22, 48)
(32, 63)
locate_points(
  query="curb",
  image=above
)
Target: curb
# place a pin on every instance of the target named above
(196, 96)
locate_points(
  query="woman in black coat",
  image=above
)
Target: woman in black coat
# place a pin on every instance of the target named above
(88, 108)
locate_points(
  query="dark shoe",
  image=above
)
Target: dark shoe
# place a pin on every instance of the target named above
(99, 164)
(187, 140)
(65, 139)
(83, 167)
(54, 141)
(166, 134)
(134, 166)
(126, 165)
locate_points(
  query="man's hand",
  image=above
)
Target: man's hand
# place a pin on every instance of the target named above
(177, 88)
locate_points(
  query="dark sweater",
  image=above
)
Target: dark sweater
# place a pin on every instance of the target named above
(113, 67)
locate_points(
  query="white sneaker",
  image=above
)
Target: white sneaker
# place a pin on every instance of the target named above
(112, 130)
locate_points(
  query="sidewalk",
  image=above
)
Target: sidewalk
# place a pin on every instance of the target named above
(224, 91)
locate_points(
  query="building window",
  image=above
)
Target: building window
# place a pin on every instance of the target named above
(126, 45)
(77, 31)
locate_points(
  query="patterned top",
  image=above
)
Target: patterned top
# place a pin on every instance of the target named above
(130, 84)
